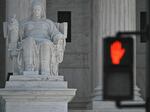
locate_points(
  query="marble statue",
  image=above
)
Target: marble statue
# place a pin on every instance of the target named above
(36, 44)
(13, 34)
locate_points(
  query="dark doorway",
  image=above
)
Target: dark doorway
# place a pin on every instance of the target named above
(65, 16)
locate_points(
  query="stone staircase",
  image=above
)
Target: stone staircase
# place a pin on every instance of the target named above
(110, 110)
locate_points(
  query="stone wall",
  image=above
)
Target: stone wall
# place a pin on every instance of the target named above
(76, 66)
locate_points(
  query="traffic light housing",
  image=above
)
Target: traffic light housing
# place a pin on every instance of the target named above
(118, 68)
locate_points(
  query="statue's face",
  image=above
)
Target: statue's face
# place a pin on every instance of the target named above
(37, 11)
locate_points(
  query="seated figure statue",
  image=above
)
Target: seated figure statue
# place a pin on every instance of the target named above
(38, 46)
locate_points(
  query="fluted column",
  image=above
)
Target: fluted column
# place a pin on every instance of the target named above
(109, 17)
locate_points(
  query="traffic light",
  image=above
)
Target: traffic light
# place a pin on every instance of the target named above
(118, 68)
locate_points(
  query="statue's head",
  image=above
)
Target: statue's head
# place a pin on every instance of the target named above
(38, 10)
(13, 21)
(13, 24)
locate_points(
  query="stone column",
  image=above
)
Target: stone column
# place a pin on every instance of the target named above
(109, 17)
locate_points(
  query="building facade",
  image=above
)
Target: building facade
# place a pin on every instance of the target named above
(91, 20)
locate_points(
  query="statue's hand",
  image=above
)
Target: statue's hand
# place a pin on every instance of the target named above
(60, 45)
(14, 53)
(58, 40)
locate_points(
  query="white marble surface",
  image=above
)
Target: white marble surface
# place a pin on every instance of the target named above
(54, 100)
(37, 107)
(38, 94)
(109, 110)
(36, 84)
(53, 95)
(36, 78)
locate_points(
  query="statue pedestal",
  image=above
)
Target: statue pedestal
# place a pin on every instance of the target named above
(35, 93)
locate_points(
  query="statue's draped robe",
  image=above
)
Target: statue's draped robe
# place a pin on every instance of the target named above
(39, 51)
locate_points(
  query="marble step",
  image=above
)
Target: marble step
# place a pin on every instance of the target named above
(36, 84)
(35, 78)
(110, 110)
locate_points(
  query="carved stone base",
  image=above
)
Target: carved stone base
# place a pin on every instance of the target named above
(35, 94)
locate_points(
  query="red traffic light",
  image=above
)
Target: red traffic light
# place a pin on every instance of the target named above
(116, 52)
(118, 68)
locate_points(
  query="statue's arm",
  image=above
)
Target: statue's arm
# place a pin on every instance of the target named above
(21, 33)
(54, 33)
(59, 39)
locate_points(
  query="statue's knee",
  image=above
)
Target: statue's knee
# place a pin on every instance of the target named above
(46, 44)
